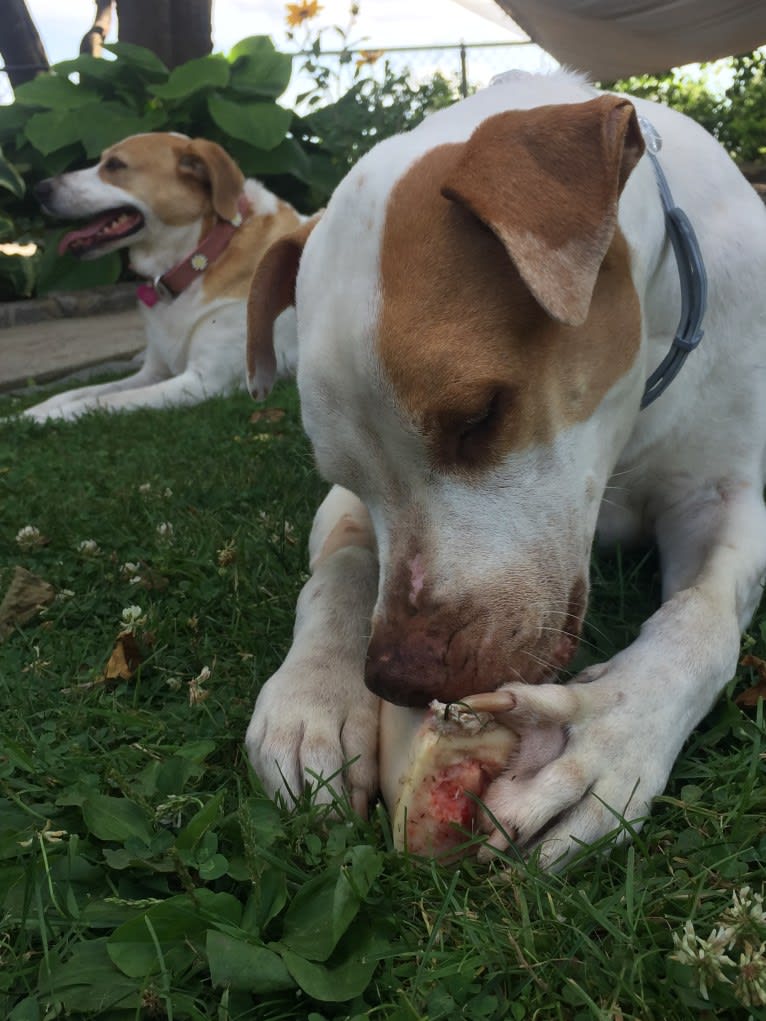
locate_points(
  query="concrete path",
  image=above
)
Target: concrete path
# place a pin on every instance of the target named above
(38, 352)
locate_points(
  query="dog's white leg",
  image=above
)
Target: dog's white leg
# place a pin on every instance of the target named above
(315, 717)
(624, 722)
(189, 388)
(75, 402)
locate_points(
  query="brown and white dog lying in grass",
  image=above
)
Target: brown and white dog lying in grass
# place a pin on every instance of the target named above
(479, 310)
(195, 230)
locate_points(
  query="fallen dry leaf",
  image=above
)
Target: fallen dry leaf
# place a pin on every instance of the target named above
(125, 659)
(268, 415)
(750, 696)
(25, 597)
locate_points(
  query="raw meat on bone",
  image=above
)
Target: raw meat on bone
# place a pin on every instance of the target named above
(434, 763)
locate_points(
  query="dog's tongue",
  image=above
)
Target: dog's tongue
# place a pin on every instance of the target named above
(105, 227)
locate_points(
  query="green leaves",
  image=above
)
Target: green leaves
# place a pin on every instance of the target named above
(177, 924)
(17, 276)
(69, 116)
(328, 947)
(65, 273)
(88, 981)
(323, 908)
(115, 818)
(53, 92)
(245, 966)
(258, 69)
(347, 973)
(139, 59)
(10, 179)
(263, 125)
(194, 76)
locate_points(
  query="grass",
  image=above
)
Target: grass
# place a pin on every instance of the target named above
(144, 875)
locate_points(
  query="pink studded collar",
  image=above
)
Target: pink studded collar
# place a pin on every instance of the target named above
(170, 284)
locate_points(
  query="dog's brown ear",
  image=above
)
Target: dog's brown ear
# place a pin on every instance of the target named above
(547, 181)
(272, 291)
(213, 166)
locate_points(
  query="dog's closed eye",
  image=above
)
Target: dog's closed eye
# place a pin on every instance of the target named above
(114, 163)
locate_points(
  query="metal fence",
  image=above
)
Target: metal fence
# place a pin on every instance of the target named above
(467, 65)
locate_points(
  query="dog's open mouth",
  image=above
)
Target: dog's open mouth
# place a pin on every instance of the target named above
(108, 227)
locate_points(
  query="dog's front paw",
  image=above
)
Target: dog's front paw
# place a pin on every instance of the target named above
(309, 730)
(49, 412)
(591, 758)
(34, 415)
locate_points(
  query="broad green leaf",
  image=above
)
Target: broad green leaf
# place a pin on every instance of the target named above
(10, 178)
(7, 228)
(19, 757)
(253, 46)
(139, 57)
(347, 974)
(319, 914)
(197, 751)
(269, 896)
(198, 825)
(245, 966)
(65, 273)
(213, 868)
(263, 821)
(12, 120)
(88, 66)
(202, 73)
(175, 922)
(51, 130)
(99, 914)
(54, 92)
(96, 126)
(258, 68)
(17, 276)
(27, 1009)
(287, 158)
(325, 906)
(88, 981)
(63, 159)
(169, 776)
(98, 133)
(118, 819)
(362, 866)
(14, 825)
(262, 125)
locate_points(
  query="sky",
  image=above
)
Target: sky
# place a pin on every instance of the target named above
(381, 23)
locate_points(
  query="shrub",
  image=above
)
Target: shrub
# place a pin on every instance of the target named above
(736, 116)
(58, 124)
(63, 120)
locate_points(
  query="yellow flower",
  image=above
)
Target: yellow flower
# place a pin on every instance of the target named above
(368, 57)
(298, 13)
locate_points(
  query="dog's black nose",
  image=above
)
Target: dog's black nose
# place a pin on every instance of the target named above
(43, 190)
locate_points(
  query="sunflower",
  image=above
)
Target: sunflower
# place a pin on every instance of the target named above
(298, 13)
(368, 57)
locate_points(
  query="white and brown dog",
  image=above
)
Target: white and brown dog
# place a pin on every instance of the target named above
(196, 230)
(479, 310)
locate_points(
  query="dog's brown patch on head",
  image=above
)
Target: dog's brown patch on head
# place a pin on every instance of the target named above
(147, 166)
(480, 360)
(180, 179)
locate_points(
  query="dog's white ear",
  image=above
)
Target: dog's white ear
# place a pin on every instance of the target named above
(272, 291)
(212, 165)
(547, 182)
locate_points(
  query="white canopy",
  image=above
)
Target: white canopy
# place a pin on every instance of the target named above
(615, 38)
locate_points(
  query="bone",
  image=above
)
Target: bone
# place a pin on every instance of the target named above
(434, 763)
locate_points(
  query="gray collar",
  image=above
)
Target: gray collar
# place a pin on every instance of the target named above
(691, 274)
